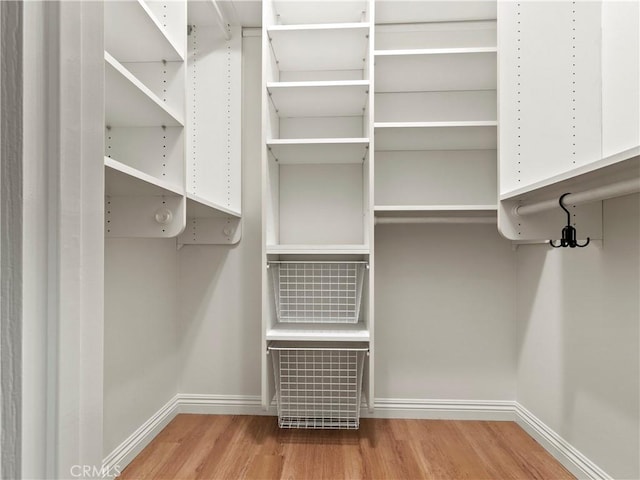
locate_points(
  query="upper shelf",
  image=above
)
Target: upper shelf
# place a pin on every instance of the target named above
(624, 165)
(340, 98)
(457, 69)
(129, 103)
(320, 47)
(294, 12)
(123, 180)
(392, 136)
(133, 33)
(319, 151)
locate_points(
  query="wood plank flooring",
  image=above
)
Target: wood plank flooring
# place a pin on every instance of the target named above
(253, 447)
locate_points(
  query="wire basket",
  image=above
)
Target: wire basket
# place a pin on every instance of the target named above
(318, 386)
(319, 292)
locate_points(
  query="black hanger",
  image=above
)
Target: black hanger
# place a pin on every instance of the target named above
(568, 233)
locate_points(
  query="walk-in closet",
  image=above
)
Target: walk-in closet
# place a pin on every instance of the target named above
(321, 239)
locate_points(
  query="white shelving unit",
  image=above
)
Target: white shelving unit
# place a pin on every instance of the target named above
(317, 183)
(436, 118)
(156, 182)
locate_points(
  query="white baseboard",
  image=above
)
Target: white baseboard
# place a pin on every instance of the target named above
(441, 409)
(222, 404)
(135, 443)
(496, 410)
(563, 451)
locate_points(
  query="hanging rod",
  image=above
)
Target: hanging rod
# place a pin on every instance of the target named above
(618, 189)
(222, 20)
(441, 220)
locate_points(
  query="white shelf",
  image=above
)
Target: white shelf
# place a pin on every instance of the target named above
(319, 150)
(316, 332)
(134, 34)
(340, 98)
(129, 103)
(620, 166)
(202, 208)
(320, 47)
(123, 180)
(319, 11)
(397, 136)
(442, 69)
(317, 250)
(436, 210)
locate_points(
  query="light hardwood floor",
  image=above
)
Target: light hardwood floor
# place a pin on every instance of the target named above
(244, 447)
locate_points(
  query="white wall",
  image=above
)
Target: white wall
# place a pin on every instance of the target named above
(219, 286)
(141, 354)
(578, 340)
(445, 305)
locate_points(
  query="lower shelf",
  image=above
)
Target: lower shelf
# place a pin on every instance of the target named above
(314, 332)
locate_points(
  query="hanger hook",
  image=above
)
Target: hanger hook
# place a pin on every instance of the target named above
(565, 208)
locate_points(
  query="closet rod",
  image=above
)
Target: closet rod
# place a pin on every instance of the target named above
(221, 18)
(618, 189)
(446, 220)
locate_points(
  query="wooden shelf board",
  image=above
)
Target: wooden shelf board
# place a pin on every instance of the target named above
(318, 249)
(129, 103)
(134, 34)
(202, 208)
(339, 98)
(319, 150)
(319, 11)
(398, 136)
(620, 166)
(412, 71)
(123, 180)
(320, 47)
(436, 210)
(319, 332)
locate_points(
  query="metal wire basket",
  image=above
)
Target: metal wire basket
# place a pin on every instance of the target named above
(318, 386)
(320, 292)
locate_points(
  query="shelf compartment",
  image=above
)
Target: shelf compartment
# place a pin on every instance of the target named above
(319, 99)
(436, 177)
(123, 180)
(398, 136)
(133, 33)
(129, 103)
(441, 69)
(293, 12)
(319, 332)
(320, 47)
(472, 105)
(327, 292)
(317, 249)
(318, 385)
(319, 151)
